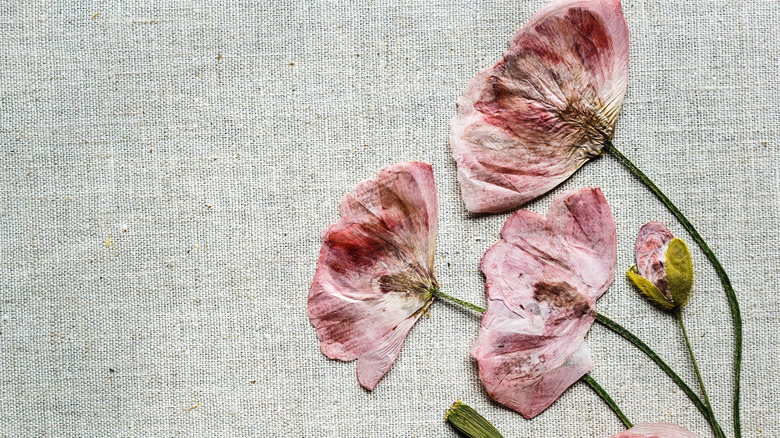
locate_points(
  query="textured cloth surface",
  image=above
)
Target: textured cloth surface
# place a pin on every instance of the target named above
(166, 168)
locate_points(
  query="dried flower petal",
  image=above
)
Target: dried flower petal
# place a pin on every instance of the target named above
(529, 122)
(656, 430)
(651, 245)
(375, 271)
(543, 279)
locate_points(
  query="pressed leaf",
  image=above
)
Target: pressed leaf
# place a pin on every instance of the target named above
(679, 272)
(469, 422)
(648, 289)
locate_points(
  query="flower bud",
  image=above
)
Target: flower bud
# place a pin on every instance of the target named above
(664, 270)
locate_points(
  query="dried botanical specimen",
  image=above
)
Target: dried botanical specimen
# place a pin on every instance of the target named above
(543, 279)
(656, 430)
(374, 276)
(545, 108)
(664, 271)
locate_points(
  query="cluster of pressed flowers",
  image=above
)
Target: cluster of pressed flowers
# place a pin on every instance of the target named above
(523, 126)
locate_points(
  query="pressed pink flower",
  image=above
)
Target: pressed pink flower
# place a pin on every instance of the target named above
(543, 279)
(656, 430)
(545, 108)
(374, 277)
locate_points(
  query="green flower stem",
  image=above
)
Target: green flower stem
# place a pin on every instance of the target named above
(603, 394)
(678, 314)
(439, 294)
(724, 278)
(630, 337)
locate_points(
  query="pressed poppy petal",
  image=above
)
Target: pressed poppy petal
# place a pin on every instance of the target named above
(543, 279)
(545, 108)
(375, 271)
(651, 245)
(656, 430)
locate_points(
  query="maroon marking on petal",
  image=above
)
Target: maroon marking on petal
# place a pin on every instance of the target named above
(530, 46)
(591, 38)
(353, 248)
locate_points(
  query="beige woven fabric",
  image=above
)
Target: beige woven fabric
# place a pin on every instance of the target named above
(166, 168)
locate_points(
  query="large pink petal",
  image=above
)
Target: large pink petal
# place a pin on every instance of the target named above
(543, 279)
(376, 268)
(656, 430)
(651, 245)
(530, 121)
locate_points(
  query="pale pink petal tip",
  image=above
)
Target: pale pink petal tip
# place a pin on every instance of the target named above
(656, 430)
(651, 245)
(545, 108)
(543, 279)
(375, 269)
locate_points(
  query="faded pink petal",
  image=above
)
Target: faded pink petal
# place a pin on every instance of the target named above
(375, 269)
(651, 245)
(656, 430)
(530, 121)
(543, 279)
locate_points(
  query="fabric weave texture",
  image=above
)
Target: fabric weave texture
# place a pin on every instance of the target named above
(166, 169)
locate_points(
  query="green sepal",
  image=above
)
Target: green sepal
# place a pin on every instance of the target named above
(648, 289)
(679, 272)
(468, 422)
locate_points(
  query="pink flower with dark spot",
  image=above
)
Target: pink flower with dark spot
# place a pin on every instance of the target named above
(543, 279)
(656, 430)
(545, 108)
(374, 277)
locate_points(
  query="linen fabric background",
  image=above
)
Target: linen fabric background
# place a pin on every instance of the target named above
(166, 168)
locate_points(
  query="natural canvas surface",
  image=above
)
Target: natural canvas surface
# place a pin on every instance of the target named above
(166, 168)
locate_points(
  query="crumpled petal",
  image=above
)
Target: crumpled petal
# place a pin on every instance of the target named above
(543, 279)
(651, 245)
(375, 269)
(656, 430)
(530, 121)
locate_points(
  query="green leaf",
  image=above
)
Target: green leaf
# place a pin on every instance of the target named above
(679, 272)
(648, 289)
(468, 422)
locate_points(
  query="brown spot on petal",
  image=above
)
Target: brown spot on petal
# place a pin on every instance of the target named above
(561, 296)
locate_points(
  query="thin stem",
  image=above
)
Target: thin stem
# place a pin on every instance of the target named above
(724, 278)
(678, 313)
(603, 394)
(439, 294)
(630, 337)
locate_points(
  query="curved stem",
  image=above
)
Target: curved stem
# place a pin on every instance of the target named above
(603, 394)
(439, 294)
(724, 278)
(630, 337)
(678, 313)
